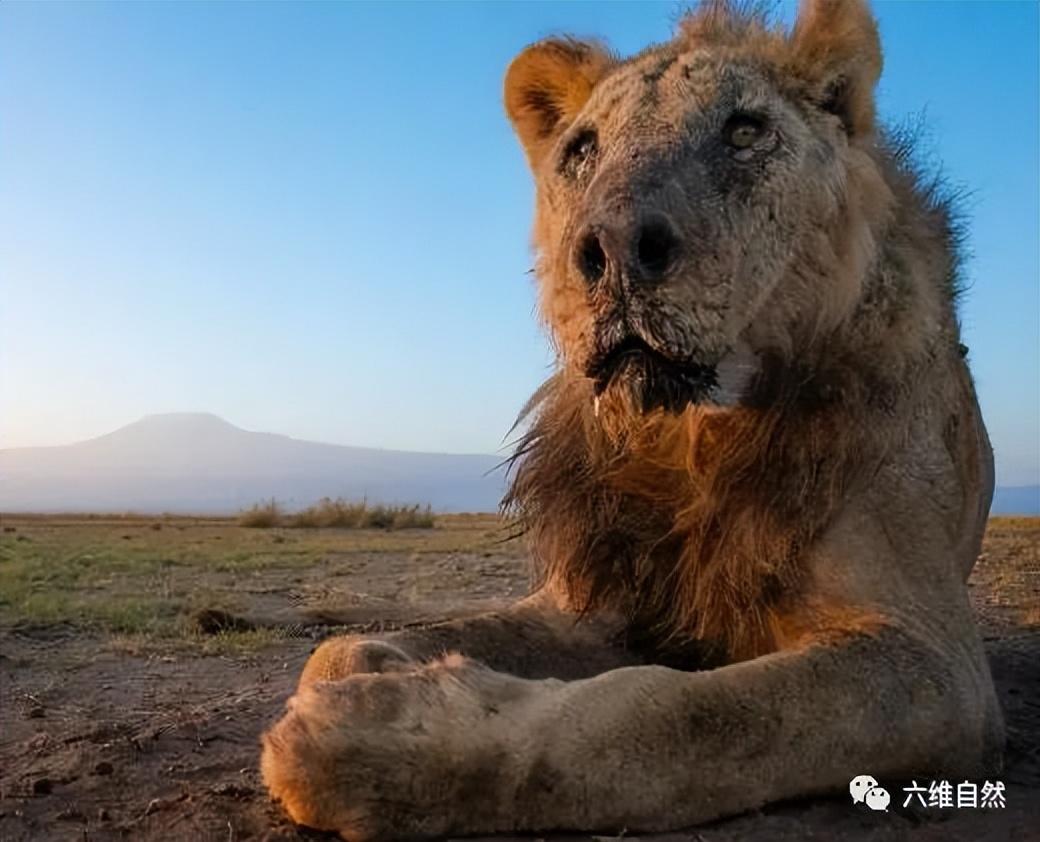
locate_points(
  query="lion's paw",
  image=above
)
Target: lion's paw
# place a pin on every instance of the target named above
(396, 754)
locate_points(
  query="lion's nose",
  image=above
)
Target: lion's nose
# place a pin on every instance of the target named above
(643, 254)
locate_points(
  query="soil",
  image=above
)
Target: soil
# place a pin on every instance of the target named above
(103, 744)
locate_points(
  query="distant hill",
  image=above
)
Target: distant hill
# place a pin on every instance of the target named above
(1017, 500)
(200, 464)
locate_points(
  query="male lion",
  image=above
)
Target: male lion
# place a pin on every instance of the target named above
(754, 486)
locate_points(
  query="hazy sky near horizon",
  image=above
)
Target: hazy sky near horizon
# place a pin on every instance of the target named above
(313, 219)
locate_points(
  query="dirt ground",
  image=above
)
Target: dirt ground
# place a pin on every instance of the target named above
(123, 718)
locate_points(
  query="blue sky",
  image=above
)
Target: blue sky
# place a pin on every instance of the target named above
(313, 219)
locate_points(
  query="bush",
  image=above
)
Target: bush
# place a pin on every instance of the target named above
(338, 514)
(412, 517)
(328, 513)
(263, 515)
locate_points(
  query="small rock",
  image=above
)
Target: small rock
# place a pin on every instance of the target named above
(154, 806)
(103, 767)
(36, 712)
(71, 814)
(42, 786)
(39, 742)
(103, 815)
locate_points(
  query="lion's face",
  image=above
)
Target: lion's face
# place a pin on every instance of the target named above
(675, 202)
(683, 198)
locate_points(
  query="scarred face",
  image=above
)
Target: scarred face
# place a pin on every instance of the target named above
(694, 214)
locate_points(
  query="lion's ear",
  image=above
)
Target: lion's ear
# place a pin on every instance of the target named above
(547, 85)
(835, 47)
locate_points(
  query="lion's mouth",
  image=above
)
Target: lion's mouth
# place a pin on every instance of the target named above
(654, 380)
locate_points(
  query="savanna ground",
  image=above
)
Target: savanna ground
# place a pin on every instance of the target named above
(141, 658)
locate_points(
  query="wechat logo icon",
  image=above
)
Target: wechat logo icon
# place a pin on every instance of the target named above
(865, 789)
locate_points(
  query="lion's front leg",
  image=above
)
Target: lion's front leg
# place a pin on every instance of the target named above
(533, 638)
(454, 747)
(651, 749)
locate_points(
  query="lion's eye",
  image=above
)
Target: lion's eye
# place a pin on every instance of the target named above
(579, 154)
(743, 130)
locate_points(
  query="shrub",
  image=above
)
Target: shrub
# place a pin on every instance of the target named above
(412, 517)
(338, 514)
(264, 515)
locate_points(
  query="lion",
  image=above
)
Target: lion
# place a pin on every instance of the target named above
(754, 485)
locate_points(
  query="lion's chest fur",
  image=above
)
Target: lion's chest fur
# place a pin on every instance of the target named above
(696, 525)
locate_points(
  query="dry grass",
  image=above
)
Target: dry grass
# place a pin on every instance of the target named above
(1007, 571)
(117, 575)
(337, 514)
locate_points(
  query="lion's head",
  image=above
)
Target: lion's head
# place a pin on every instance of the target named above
(705, 205)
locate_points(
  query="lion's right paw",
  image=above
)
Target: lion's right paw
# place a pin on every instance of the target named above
(399, 754)
(330, 760)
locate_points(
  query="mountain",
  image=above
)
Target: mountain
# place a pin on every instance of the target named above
(199, 463)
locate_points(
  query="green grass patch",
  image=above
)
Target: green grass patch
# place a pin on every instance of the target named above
(120, 577)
